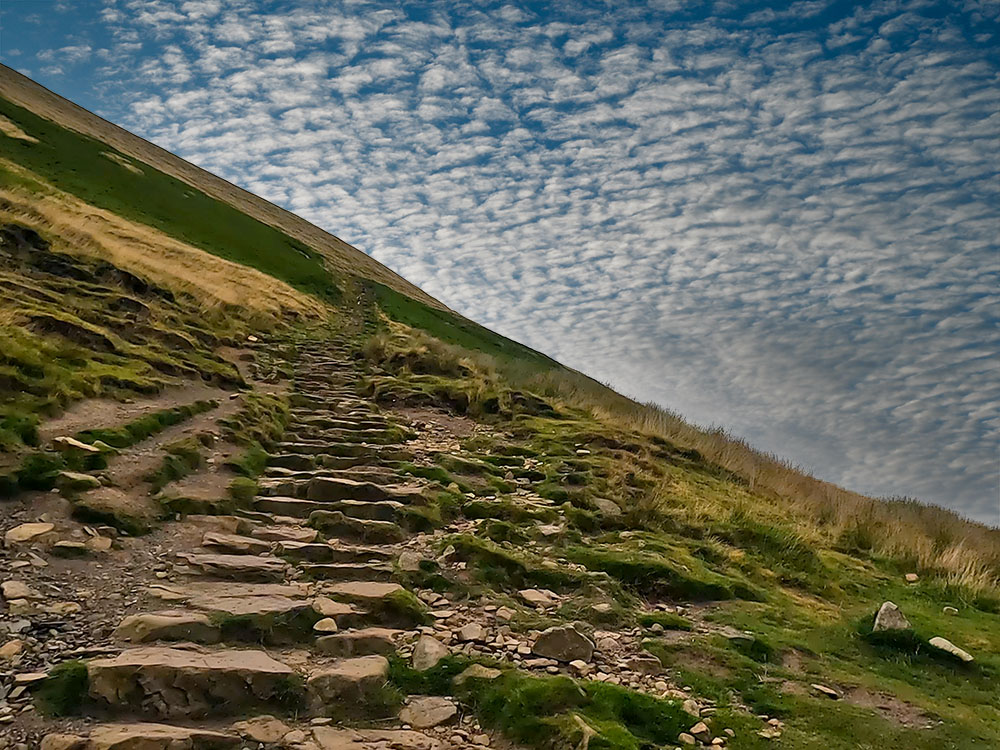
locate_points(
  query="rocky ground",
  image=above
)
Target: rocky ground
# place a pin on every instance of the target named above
(288, 623)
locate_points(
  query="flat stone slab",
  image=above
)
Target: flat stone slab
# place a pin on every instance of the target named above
(299, 534)
(234, 544)
(361, 642)
(28, 532)
(330, 488)
(349, 571)
(142, 737)
(329, 738)
(360, 592)
(356, 529)
(288, 506)
(349, 681)
(238, 567)
(424, 712)
(188, 682)
(168, 626)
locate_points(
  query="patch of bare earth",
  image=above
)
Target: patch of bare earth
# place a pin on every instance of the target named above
(98, 412)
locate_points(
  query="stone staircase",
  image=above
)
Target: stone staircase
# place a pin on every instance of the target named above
(291, 611)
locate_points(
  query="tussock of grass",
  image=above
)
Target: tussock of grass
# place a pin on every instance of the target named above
(64, 690)
(146, 426)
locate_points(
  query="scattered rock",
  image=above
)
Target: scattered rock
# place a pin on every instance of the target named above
(949, 610)
(27, 532)
(948, 647)
(690, 706)
(66, 444)
(826, 691)
(649, 665)
(701, 732)
(536, 598)
(266, 729)
(472, 632)
(427, 652)
(564, 643)
(328, 738)
(326, 625)
(67, 549)
(11, 649)
(74, 481)
(18, 590)
(607, 507)
(477, 672)
(168, 626)
(912, 578)
(890, 617)
(429, 711)
(686, 739)
(409, 561)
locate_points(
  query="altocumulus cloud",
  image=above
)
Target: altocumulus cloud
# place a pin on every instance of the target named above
(783, 219)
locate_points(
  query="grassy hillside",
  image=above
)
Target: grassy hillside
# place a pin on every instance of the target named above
(749, 581)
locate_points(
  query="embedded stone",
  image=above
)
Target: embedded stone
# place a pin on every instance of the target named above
(266, 729)
(18, 590)
(890, 617)
(329, 738)
(27, 532)
(168, 626)
(564, 643)
(360, 642)
(425, 712)
(950, 648)
(427, 652)
(476, 672)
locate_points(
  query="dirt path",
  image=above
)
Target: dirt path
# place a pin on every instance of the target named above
(98, 412)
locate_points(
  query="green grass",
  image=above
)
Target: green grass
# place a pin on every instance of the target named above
(64, 690)
(75, 163)
(182, 458)
(144, 427)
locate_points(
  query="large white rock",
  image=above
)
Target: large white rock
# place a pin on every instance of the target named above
(890, 617)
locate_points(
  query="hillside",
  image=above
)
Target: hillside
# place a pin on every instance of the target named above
(259, 491)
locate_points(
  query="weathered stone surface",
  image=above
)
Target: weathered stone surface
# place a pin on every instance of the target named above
(365, 593)
(890, 617)
(187, 682)
(950, 648)
(285, 534)
(645, 664)
(68, 444)
(427, 652)
(564, 644)
(18, 590)
(409, 561)
(607, 507)
(69, 549)
(168, 626)
(477, 672)
(358, 529)
(27, 532)
(329, 738)
(74, 481)
(327, 607)
(472, 631)
(701, 731)
(424, 712)
(825, 691)
(348, 571)
(351, 680)
(238, 567)
(537, 598)
(326, 625)
(235, 544)
(266, 729)
(11, 648)
(359, 642)
(143, 737)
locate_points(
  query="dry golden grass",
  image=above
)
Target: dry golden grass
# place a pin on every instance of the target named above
(79, 228)
(342, 257)
(11, 130)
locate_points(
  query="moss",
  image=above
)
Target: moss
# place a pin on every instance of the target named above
(402, 609)
(242, 490)
(548, 711)
(182, 458)
(434, 681)
(496, 565)
(64, 690)
(146, 426)
(271, 629)
(666, 620)
(89, 511)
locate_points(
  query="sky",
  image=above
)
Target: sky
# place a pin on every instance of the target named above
(783, 219)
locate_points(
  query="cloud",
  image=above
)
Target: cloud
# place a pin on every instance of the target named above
(782, 221)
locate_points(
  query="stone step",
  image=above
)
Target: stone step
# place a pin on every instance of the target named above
(321, 437)
(234, 544)
(168, 625)
(335, 488)
(292, 507)
(348, 571)
(356, 684)
(144, 736)
(335, 523)
(333, 448)
(191, 682)
(300, 534)
(341, 423)
(237, 567)
(382, 510)
(329, 553)
(360, 642)
(360, 473)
